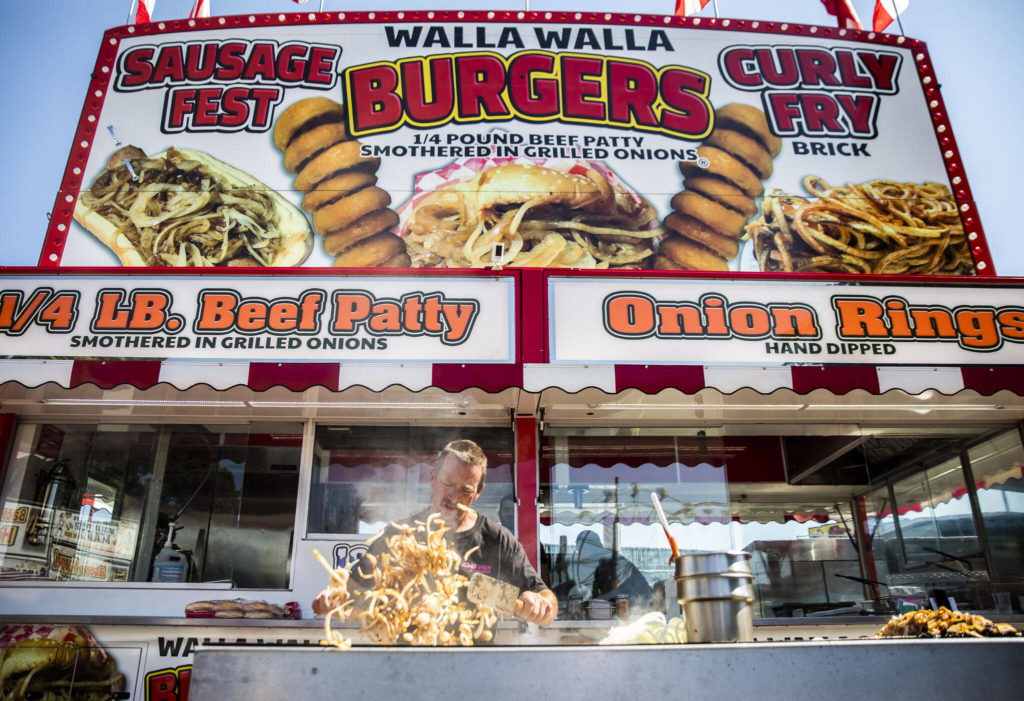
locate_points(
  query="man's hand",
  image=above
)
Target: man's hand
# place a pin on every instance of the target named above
(320, 605)
(538, 607)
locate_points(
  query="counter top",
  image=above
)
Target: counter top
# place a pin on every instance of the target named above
(319, 622)
(802, 622)
(854, 670)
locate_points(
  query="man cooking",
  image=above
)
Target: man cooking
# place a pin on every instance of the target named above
(458, 479)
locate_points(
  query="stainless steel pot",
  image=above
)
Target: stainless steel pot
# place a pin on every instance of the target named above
(599, 610)
(729, 585)
(713, 563)
(715, 592)
(718, 621)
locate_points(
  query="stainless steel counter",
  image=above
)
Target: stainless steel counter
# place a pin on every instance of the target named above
(858, 669)
(509, 633)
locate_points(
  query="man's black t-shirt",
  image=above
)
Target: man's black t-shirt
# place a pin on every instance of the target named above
(498, 554)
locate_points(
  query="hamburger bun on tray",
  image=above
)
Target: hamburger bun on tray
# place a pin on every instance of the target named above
(234, 608)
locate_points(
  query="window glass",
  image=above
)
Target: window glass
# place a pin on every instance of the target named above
(365, 476)
(601, 537)
(925, 546)
(883, 551)
(996, 466)
(138, 503)
(935, 519)
(804, 565)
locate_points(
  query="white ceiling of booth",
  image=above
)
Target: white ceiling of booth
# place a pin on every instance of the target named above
(394, 404)
(743, 411)
(783, 407)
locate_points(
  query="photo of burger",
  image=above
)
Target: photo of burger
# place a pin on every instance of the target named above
(557, 213)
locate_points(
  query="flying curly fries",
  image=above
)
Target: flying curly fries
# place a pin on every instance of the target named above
(410, 594)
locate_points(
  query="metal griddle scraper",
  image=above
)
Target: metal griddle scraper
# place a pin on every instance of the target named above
(500, 596)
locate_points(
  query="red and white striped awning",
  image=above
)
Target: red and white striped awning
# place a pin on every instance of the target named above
(532, 377)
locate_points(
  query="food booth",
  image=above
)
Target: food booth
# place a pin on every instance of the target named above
(732, 264)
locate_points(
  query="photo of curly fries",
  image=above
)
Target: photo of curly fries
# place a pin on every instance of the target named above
(879, 227)
(409, 593)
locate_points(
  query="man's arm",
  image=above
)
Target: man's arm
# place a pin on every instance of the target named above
(539, 607)
(360, 571)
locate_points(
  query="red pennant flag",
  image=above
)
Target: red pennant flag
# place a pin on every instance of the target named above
(886, 11)
(685, 8)
(144, 12)
(844, 13)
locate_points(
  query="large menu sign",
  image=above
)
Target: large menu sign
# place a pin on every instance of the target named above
(461, 139)
(393, 319)
(782, 323)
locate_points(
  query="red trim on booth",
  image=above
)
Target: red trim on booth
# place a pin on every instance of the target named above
(533, 301)
(651, 379)
(838, 379)
(490, 377)
(111, 373)
(496, 377)
(989, 380)
(527, 488)
(294, 376)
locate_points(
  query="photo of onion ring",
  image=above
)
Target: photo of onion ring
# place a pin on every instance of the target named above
(719, 194)
(352, 215)
(571, 214)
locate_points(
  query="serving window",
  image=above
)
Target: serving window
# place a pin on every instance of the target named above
(108, 502)
(835, 524)
(954, 529)
(365, 476)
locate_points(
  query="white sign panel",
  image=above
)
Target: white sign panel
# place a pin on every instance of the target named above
(420, 139)
(679, 322)
(346, 319)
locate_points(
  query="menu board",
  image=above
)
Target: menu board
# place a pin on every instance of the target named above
(443, 139)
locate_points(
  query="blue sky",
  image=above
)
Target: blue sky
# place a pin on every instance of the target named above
(49, 50)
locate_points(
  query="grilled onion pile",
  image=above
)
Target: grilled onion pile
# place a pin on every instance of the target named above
(186, 208)
(943, 623)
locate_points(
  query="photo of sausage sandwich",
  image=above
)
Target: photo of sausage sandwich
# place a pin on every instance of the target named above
(56, 662)
(186, 208)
